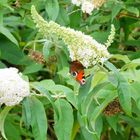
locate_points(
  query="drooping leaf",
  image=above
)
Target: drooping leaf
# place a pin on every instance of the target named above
(39, 120)
(124, 94)
(87, 102)
(63, 18)
(131, 121)
(62, 57)
(123, 88)
(99, 126)
(86, 132)
(4, 3)
(8, 34)
(100, 108)
(67, 92)
(39, 87)
(83, 91)
(135, 89)
(52, 8)
(133, 10)
(3, 115)
(64, 123)
(26, 112)
(46, 49)
(99, 77)
(112, 120)
(11, 53)
(11, 128)
(114, 136)
(124, 58)
(75, 18)
(59, 90)
(116, 9)
(34, 67)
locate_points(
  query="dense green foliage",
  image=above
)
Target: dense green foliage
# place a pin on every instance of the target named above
(59, 108)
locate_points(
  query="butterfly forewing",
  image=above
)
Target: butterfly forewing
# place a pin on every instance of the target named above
(77, 70)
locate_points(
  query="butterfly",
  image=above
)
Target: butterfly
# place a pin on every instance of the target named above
(77, 71)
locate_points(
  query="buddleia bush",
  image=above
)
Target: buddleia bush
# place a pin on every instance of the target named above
(40, 99)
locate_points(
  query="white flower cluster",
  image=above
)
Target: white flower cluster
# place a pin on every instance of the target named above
(12, 87)
(88, 6)
(81, 47)
(85, 49)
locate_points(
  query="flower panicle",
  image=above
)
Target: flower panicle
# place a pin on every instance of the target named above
(111, 36)
(41, 24)
(81, 47)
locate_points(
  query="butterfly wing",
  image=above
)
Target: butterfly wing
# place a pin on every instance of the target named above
(81, 77)
(77, 70)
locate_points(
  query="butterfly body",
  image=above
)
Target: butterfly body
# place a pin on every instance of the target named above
(77, 71)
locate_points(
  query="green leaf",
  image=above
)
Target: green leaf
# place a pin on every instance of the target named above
(86, 132)
(124, 58)
(34, 67)
(10, 52)
(133, 10)
(62, 57)
(26, 112)
(112, 67)
(76, 126)
(5, 3)
(75, 18)
(59, 90)
(65, 75)
(63, 18)
(67, 92)
(52, 8)
(13, 21)
(112, 78)
(39, 87)
(132, 43)
(87, 102)
(123, 88)
(1, 17)
(47, 84)
(113, 120)
(64, 123)
(100, 39)
(131, 121)
(46, 49)
(114, 136)
(7, 33)
(11, 128)
(135, 89)
(39, 122)
(28, 21)
(137, 130)
(132, 65)
(83, 91)
(99, 126)
(116, 9)
(99, 77)
(99, 109)
(2, 65)
(3, 115)
(137, 138)
(124, 94)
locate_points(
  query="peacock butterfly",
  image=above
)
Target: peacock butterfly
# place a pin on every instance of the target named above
(77, 71)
